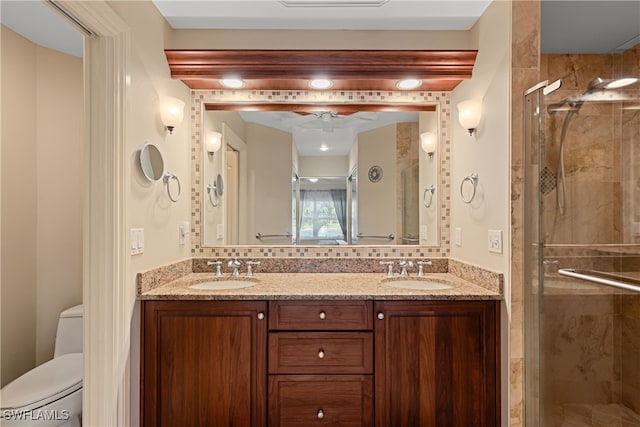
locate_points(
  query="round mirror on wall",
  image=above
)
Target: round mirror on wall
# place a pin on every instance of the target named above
(151, 162)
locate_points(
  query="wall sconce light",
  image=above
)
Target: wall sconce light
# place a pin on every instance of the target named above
(213, 143)
(171, 112)
(428, 142)
(469, 114)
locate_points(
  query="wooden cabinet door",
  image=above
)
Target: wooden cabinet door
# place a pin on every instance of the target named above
(204, 363)
(436, 364)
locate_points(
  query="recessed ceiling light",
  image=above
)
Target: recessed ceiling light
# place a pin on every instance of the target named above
(321, 83)
(313, 179)
(232, 83)
(408, 84)
(618, 83)
(323, 147)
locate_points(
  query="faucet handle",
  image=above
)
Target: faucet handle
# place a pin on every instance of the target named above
(250, 264)
(217, 264)
(420, 266)
(389, 265)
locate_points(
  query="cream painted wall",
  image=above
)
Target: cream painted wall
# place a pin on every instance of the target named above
(323, 166)
(377, 200)
(486, 152)
(60, 163)
(147, 204)
(270, 195)
(42, 198)
(328, 39)
(19, 205)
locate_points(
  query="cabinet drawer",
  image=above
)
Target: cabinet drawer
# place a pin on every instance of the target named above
(320, 315)
(321, 352)
(320, 400)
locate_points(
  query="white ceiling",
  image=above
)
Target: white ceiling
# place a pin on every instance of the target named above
(329, 15)
(568, 26)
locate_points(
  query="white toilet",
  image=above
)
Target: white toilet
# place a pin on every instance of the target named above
(50, 394)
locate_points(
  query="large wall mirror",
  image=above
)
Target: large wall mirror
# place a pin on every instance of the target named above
(320, 176)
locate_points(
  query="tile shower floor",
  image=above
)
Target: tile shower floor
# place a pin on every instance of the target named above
(609, 415)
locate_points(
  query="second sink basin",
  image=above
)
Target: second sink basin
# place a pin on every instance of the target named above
(417, 284)
(222, 284)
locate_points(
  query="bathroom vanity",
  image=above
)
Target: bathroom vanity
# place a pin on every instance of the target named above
(350, 353)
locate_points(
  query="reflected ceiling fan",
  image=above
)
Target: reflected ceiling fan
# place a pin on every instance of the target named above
(328, 120)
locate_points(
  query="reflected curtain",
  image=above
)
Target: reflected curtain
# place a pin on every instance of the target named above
(339, 198)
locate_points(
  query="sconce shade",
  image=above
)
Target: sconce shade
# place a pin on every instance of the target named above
(213, 142)
(469, 112)
(171, 112)
(428, 142)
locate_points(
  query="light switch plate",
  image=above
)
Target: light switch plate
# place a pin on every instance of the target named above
(423, 232)
(495, 241)
(220, 231)
(136, 235)
(458, 236)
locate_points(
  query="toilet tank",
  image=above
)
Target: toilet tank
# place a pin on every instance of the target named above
(69, 333)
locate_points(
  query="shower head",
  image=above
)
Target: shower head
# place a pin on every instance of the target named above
(594, 92)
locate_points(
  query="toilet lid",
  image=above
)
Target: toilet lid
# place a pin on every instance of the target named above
(46, 383)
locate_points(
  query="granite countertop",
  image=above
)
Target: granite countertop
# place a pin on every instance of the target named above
(336, 286)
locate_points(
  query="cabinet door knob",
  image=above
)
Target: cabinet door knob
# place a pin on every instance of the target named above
(320, 414)
(323, 315)
(381, 315)
(260, 315)
(321, 354)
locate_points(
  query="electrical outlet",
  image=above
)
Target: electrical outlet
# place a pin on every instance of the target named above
(183, 230)
(495, 241)
(458, 236)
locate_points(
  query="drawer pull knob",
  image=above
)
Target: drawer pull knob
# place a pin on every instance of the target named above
(320, 414)
(321, 354)
(260, 315)
(381, 315)
(323, 315)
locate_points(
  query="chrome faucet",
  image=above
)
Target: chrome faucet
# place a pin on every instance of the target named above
(420, 267)
(250, 264)
(217, 264)
(235, 264)
(404, 264)
(389, 265)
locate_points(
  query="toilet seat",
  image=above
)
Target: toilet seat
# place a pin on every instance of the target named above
(51, 381)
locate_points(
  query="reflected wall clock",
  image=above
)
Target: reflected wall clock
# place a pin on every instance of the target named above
(375, 173)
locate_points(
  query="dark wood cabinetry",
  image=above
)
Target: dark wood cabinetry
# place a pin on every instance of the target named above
(320, 363)
(437, 364)
(204, 363)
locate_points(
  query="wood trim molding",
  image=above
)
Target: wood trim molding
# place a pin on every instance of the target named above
(439, 70)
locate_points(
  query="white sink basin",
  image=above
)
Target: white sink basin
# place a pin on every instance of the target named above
(219, 285)
(417, 284)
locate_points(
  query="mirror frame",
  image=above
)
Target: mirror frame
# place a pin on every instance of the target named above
(145, 150)
(343, 101)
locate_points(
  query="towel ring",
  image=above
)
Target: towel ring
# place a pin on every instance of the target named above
(473, 179)
(432, 190)
(168, 177)
(211, 190)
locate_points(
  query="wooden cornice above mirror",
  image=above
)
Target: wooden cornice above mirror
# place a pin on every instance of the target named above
(440, 70)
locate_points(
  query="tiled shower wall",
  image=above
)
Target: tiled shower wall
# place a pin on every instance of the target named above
(590, 343)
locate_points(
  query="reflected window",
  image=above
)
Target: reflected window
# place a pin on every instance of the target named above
(323, 214)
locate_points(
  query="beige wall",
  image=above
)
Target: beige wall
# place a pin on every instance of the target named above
(323, 166)
(329, 39)
(19, 205)
(377, 200)
(41, 198)
(147, 204)
(270, 190)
